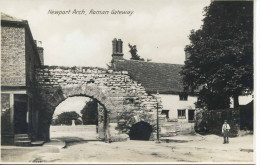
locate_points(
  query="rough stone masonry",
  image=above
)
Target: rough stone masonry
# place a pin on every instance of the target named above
(125, 101)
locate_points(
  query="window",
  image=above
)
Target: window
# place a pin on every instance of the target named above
(181, 114)
(183, 97)
(165, 112)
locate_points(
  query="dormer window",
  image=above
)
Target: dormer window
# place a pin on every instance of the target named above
(183, 96)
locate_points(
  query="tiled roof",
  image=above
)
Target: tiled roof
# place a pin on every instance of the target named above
(7, 17)
(163, 77)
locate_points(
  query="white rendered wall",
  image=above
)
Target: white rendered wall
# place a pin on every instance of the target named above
(173, 103)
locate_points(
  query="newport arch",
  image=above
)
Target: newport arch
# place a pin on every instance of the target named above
(125, 101)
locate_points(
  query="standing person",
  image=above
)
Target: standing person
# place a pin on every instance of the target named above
(107, 134)
(225, 131)
(107, 130)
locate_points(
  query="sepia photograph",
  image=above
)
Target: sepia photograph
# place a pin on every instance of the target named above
(133, 81)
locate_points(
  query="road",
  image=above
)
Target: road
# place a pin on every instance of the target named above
(197, 148)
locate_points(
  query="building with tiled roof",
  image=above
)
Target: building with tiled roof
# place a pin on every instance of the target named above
(164, 78)
(178, 104)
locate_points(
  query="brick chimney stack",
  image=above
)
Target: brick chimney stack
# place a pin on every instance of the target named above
(117, 45)
(114, 45)
(120, 46)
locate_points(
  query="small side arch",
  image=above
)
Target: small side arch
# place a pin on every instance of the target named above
(140, 131)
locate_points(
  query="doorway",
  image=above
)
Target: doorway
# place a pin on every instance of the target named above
(20, 114)
(191, 115)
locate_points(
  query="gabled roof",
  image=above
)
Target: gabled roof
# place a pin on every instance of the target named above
(6, 17)
(153, 76)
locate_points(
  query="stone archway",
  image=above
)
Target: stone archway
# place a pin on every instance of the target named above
(116, 91)
(90, 119)
(49, 102)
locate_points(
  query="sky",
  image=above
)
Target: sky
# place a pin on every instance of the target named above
(159, 29)
(71, 104)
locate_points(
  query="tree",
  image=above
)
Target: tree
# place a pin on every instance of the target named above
(133, 51)
(90, 112)
(221, 54)
(67, 117)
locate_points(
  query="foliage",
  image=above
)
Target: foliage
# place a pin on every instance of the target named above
(90, 113)
(221, 54)
(133, 51)
(66, 118)
(128, 117)
(212, 100)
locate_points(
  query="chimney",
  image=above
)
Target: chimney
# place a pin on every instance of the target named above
(40, 52)
(120, 46)
(117, 49)
(114, 45)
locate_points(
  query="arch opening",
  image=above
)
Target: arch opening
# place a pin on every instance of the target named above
(54, 96)
(79, 117)
(140, 131)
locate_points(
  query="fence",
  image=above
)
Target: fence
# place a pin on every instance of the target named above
(211, 121)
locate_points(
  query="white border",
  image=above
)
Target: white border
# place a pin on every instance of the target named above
(256, 82)
(256, 106)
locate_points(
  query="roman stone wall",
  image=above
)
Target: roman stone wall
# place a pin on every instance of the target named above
(12, 56)
(125, 101)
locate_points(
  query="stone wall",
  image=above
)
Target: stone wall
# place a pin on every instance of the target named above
(12, 56)
(120, 95)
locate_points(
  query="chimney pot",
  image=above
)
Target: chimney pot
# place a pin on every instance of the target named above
(117, 49)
